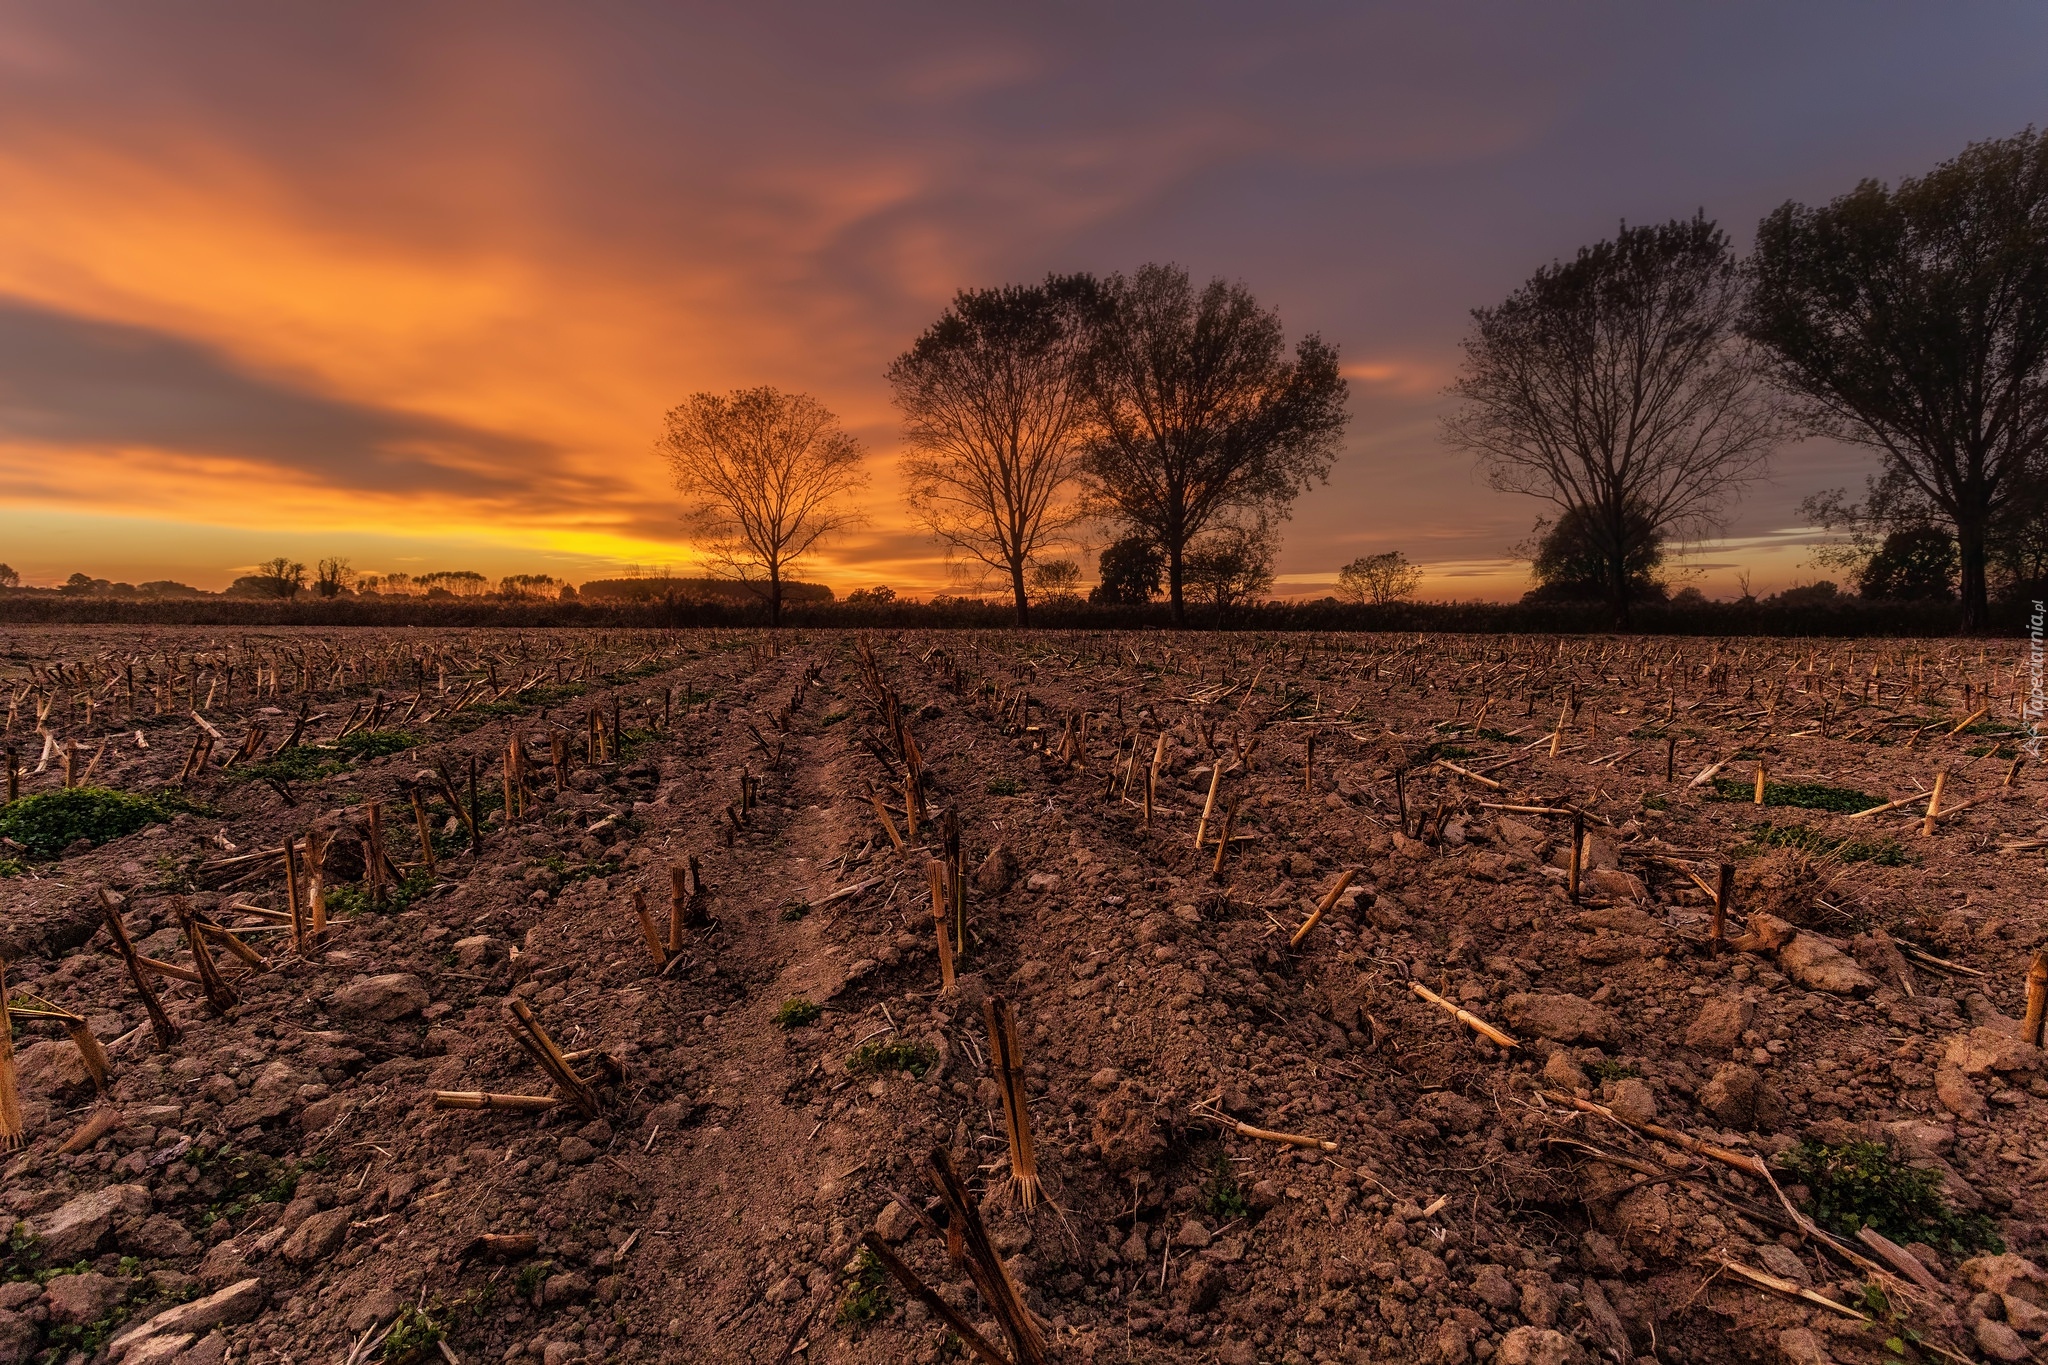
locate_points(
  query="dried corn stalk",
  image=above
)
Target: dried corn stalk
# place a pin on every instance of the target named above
(11, 1127)
(1007, 1055)
(527, 1031)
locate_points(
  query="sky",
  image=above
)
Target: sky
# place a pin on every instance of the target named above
(415, 283)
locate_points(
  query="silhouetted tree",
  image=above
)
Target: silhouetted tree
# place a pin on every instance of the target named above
(8, 577)
(1200, 415)
(764, 473)
(1571, 561)
(1378, 579)
(1613, 386)
(333, 577)
(993, 411)
(1232, 565)
(1130, 572)
(1055, 580)
(1914, 320)
(1916, 564)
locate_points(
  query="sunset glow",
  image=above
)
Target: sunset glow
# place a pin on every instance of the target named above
(417, 287)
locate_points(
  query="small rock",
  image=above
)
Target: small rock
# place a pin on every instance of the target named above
(1982, 1051)
(1192, 1234)
(211, 1349)
(1720, 1024)
(378, 1306)
(1954, 1092)
(239, 1302)
(575, 1151)
(1737, 1098)
(1492, 1285)
(566, 1287)
(81, 1298)
(788, 1289)
(76, 1230)
(1564, 1073)
(1538, 1346)
(895, 1223)
(319, 1237)
(1042, 881)
(478, 950)
(387, 997)
(1819, 965)
(19, 1339)
(561, 1352)
(1631, 1100)
(1266, 1194)
(1800, 1344)
(1783, 1262)
(161, 1236)
(997, 872)
(1106, 1079)
(1560, 1018)
(1999, 1341)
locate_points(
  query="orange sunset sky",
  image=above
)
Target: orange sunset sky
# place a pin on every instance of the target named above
(415, 283)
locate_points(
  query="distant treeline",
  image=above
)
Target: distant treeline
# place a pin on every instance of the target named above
(1844, 616)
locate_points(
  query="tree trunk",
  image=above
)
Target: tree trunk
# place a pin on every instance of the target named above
(1173, 587)
(774, 599)
(1975, 591)
(1617, 585)
(1023, 601)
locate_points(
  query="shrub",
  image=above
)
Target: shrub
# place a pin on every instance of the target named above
(1855, 1185)
(49, 822)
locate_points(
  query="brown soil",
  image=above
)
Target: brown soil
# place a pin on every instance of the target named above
(714, 1209)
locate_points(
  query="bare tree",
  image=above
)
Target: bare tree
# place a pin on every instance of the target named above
(1613, 387)
(1379, 579)
(1200, 416)
(1056, 580)
(764, 474)
(993, 409)
(1914, 321)
(334, 577)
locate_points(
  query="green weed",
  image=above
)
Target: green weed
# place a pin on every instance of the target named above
(1856, 1185)
(1605, 1070)
(795, 911)
(1004, 786)
(1221, 1194)
(49, 822)
(12, 867)
(300, 763)
(376, 743)
(1883, 852)
(867, 1292)
(412, 1336)
(888, 1058)
(1804, 795)
(797, 1012)
(355, 900)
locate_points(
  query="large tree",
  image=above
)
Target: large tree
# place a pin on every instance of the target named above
(764, 474)
(993, 412)
(1613, 386)
(1201, 418)
(1914, 321)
